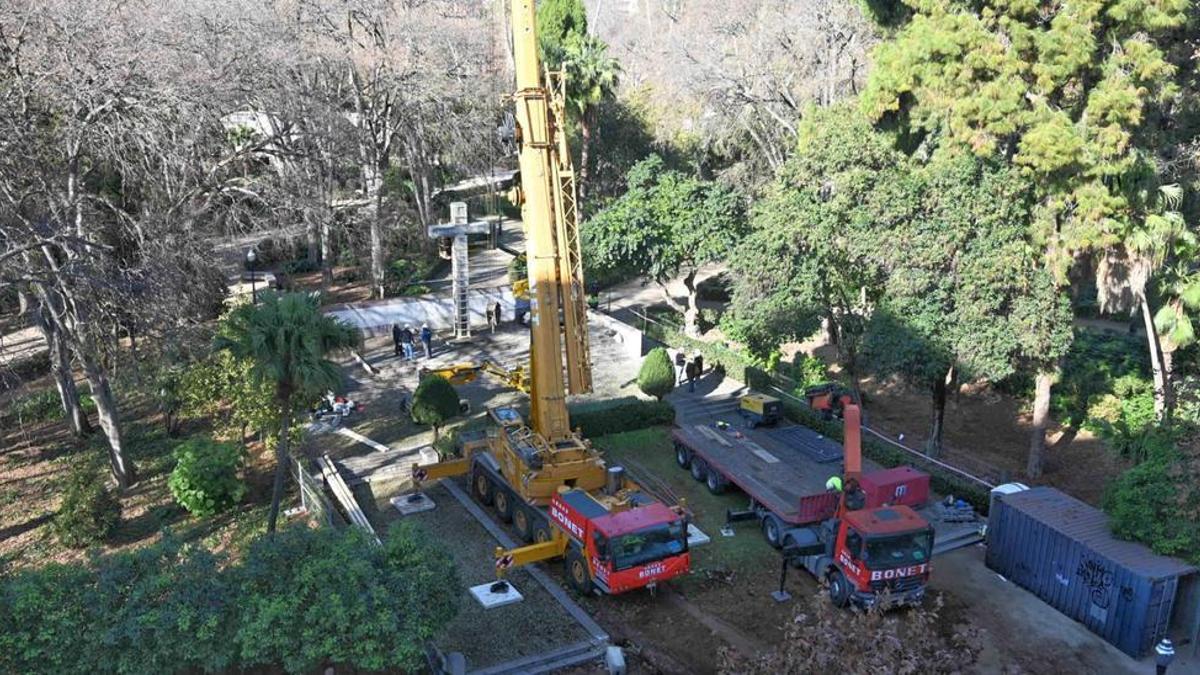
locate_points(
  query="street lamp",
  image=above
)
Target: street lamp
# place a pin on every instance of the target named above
(251, 258)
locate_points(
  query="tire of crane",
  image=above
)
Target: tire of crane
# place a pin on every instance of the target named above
(715, 481)
(683, 456)
(503, 503)
(523, 523)
(542, 533)
(482, 487)
(699, 469)
(839, 588)
(576, 569)
(772, 530)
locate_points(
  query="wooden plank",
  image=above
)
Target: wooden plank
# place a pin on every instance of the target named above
(342, 492)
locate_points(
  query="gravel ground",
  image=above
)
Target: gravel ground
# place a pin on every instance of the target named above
(487, 637)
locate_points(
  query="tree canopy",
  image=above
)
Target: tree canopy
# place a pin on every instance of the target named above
(666, 224)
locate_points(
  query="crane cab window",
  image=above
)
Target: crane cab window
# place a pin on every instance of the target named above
(648, 544)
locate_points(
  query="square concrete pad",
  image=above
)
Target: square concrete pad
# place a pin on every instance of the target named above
(412, 502)
(484, 595)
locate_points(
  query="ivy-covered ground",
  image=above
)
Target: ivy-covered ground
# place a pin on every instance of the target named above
(36, 456)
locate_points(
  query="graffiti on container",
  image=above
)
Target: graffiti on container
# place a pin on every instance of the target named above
(1098, 580)
(1126, 593)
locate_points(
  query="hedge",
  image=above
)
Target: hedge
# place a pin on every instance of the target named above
(743, 369)
(600, 418)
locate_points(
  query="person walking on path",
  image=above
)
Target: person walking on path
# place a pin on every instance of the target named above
(396, 332)
(492, 319)
(689, 371)
(1164, 654)
(496, 316)
(406, 342)
(427, 340)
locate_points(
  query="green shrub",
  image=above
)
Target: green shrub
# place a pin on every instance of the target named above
(167, 608)
(657, 375)
(434, 402)
(1156, 503)
(600, 418)
(386, 602)
(205, 479)
(89, 510)
(40, 406)
(518, 268)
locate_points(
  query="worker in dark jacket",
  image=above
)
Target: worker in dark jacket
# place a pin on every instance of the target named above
(406, 343)
(689, 371)
(396, 338)
(427, 340)
(1164, 654)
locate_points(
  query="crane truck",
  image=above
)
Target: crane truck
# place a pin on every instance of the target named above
(866, 541)
(540, 475)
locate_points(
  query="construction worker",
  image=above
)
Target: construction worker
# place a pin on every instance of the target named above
(834, 484)
(406, 343)
(1164, 655)
(427, 340)
(396, 338)
(689, 371)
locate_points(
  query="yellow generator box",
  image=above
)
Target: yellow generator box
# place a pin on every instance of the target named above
(760, 409)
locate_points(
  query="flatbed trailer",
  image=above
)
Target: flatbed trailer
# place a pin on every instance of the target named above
(781, 471)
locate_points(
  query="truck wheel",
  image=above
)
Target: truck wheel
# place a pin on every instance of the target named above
(839, 589)
(772, 530)
(481, 487)
(542, 534)
(520, 519)
(683, 456)
(503, 505)
(577, 572)
(715, 481)
(699, 469)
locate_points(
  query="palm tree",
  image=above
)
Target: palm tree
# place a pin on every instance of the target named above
(591, 79)
(286, 338)
(1175, 321)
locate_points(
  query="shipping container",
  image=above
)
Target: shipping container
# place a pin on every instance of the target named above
(1062, 551)
(900, 485)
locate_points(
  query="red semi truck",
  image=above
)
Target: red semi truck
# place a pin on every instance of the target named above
(865, 541)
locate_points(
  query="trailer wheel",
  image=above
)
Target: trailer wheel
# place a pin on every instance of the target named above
(772, 530)
(839, 589)
(504, 506)
(716, 482)
(699, 469)
(577, 572)
(521, 522)
(683, 456)
(481, 486)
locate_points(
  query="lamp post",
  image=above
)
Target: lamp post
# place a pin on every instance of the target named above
(251, 258)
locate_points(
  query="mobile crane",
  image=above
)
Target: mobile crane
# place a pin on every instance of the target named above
(543, 477)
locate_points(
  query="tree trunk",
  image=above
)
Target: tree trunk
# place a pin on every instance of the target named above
(1168, 366)
(691, 317)
(585, 142)
(1041, 417)
(110, 421)
(282, 464)
(327, 252)
(377, 264)
(64, 380)
(1160, 383)
(938, 417)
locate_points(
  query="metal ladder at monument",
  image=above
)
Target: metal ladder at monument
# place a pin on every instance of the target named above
(461, 276)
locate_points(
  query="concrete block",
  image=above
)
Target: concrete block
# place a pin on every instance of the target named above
(491, 597)
(614, 660)
(412, 502)
(727, 531)
(696, 537)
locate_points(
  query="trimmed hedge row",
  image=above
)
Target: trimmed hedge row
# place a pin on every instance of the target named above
(600, 418)
(737, 366)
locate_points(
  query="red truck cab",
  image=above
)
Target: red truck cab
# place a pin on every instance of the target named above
(615, 552)
(882, 551)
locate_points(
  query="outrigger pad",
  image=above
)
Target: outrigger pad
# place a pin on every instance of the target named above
(412, 502)
(496, 594)
(696, 537)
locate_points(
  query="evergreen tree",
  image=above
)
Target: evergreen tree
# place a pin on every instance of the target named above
(434, 402)
(657, 375)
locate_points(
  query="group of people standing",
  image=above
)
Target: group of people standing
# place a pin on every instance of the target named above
(404, 340)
